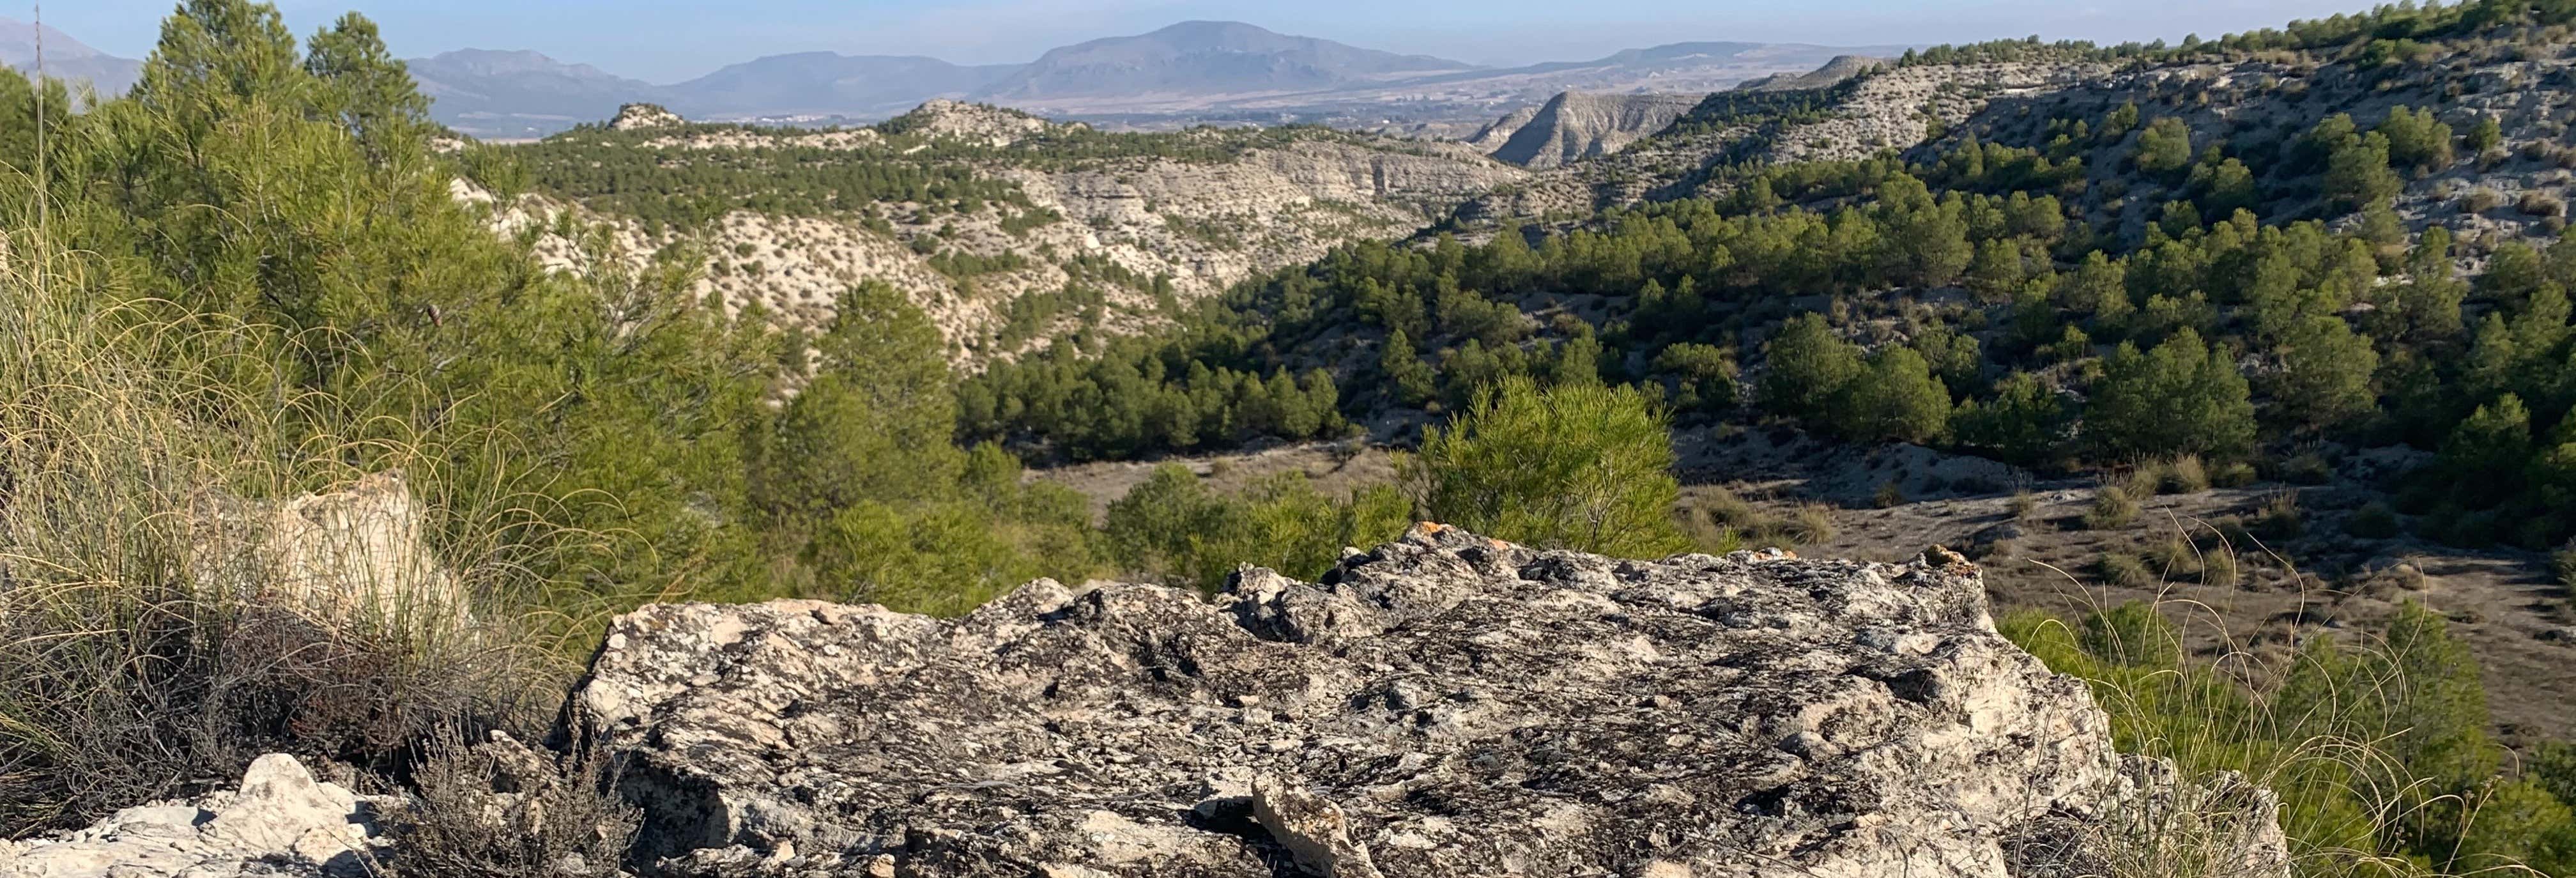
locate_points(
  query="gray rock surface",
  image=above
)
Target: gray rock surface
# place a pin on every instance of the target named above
(280, 822)
(1446, 705)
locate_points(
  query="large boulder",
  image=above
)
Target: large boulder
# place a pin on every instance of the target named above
(1447, 705)
(353, 556)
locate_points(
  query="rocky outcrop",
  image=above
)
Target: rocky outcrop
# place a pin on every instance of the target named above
(637, 117)
(280, 822)
(351, 556)
(983, 123)
(1573, 126)
(1500, 131)
(1447, 705)
(1833, 73)
(1861, 115)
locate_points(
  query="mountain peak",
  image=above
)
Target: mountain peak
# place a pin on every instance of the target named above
(1206, 57)
(65, 58)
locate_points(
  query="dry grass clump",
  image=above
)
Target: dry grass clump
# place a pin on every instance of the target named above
(2123, 569)
(2182, 474)
(2112, 508)
(150, 643)
(1722, 521)
(2024, 505)
(2368, 747)
(2541, 204)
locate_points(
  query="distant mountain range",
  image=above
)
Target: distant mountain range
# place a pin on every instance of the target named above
(1189, 73)
(66, 58)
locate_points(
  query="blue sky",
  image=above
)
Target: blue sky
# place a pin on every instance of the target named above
(671, 40)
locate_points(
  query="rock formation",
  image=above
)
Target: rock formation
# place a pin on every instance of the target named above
(348, 556)
(990, 125)
(1447, 705)
(1203, 222)
(1834, 72)
(1573, 126)
(634, 117)
(280, 822)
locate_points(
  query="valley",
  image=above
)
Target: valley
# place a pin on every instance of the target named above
(1221, 452)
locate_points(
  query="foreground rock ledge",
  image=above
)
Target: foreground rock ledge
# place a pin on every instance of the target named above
(1446, 705)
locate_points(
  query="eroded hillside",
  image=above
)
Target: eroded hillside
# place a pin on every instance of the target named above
(1010, 230)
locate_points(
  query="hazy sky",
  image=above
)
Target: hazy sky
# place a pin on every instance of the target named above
(671, 40)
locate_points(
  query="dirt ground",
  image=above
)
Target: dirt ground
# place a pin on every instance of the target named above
(2038, 552)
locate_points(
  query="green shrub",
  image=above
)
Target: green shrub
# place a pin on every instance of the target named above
(1172, 529)
(1579, 466)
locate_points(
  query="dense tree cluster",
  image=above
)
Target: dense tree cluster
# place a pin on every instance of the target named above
(2396, 31)
(1979, 299)
(614, 171)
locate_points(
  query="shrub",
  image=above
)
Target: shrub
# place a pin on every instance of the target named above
(2135, 634)
(2182, 474)
(1812, 523)
(2480, 200)
(2024, 505)
(2280, 518)
(2374, 520)
(1173, 530)
(2112, 508)
(2540, 204)
(501, 810)
(2307, 468)
(1579, 466)
(1889, 495)
(145, 647)
(2123, 569)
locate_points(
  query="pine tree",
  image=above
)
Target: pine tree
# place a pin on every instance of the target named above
(1578, 466)
(2182, 397)
(1805, 366)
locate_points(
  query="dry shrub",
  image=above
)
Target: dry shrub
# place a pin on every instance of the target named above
(2182, 474)
(2112, 508)
(2540, 204)
(2279, 518)
(498, 809)
(1813, 523)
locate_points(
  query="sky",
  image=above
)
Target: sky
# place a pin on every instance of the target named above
(666, 41)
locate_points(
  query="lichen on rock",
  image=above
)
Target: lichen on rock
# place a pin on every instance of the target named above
(1445, 705)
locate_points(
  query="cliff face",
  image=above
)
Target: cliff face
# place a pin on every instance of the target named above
(1202, 222)
(1573, 126)
(1893, 109)
(1446, 705)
